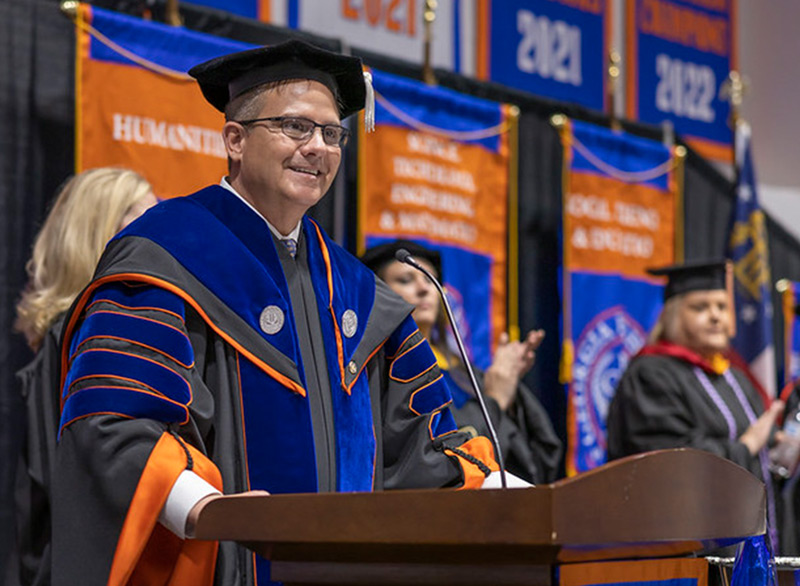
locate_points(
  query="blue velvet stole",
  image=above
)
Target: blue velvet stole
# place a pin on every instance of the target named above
(229, 249)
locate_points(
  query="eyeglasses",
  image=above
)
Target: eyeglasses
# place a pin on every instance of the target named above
(301, 128)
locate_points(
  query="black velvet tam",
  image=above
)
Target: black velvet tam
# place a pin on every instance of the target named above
(224, 78)
(696, 275)
(379, 256)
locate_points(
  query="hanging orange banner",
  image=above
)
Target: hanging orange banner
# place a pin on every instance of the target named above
(137, 108)
(448, 188)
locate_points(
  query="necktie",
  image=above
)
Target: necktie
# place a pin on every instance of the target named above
(291, 245)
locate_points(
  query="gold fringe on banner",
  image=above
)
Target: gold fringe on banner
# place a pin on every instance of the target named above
(679, 156)
(567, 361)
(513, 223)
(73, 11)
(561, 123)
(786, 288)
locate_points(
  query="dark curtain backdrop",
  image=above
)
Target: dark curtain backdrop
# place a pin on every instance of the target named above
(37, 154)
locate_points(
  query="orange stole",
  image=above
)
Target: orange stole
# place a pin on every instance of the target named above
(147, 553)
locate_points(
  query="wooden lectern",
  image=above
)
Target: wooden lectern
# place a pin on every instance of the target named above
(665, 503)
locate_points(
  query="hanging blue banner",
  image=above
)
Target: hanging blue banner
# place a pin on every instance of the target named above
(245, 8)
(553, 48)
(678, 55)
(620, 217)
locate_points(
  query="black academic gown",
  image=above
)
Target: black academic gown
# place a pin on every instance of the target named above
(531, 449)
(39, 388)
(665, 401)
(200, 345)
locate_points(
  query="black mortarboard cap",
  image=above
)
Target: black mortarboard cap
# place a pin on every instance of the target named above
(695, 275)
(379, 256)
(226, 77)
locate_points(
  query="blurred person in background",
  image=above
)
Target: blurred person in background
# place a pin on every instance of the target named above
(531, 449)
(681, 391)
(90, 209)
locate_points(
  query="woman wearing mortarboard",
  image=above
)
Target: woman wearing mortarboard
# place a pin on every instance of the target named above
(681, 391)
(527, 439)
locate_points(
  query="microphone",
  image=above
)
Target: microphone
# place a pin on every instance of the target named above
(405, 257)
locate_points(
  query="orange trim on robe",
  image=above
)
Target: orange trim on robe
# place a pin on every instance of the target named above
(337, 334)
(148, 553)
(481, 448)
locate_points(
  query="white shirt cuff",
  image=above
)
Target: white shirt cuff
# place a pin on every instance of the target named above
(493, 481)
(187, 491)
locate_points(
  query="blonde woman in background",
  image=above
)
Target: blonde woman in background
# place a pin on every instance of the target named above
(88, 211)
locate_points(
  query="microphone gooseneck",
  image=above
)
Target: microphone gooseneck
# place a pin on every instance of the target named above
(405, 257)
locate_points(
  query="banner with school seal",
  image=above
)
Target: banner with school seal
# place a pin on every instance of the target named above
(136, 107)
(436, 170)
(621, 215)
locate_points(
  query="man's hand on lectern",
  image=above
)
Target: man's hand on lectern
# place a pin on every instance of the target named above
(194, 513)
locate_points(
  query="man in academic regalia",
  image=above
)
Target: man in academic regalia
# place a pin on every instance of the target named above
(680, 391)
(227, 345)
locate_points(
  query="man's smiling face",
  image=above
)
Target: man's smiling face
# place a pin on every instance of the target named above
(279, 172)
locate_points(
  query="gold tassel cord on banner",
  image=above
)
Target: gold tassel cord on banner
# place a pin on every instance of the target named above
(626, 176)
(69, 8)
(559, 121)
(462, 135)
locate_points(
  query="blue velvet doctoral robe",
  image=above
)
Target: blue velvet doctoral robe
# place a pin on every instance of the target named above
(184, 354)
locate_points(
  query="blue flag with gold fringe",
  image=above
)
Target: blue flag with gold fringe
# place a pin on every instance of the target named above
(747, 247)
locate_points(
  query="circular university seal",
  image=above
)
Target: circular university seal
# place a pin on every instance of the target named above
(349, 323)
(271, 320)
(602, 353)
